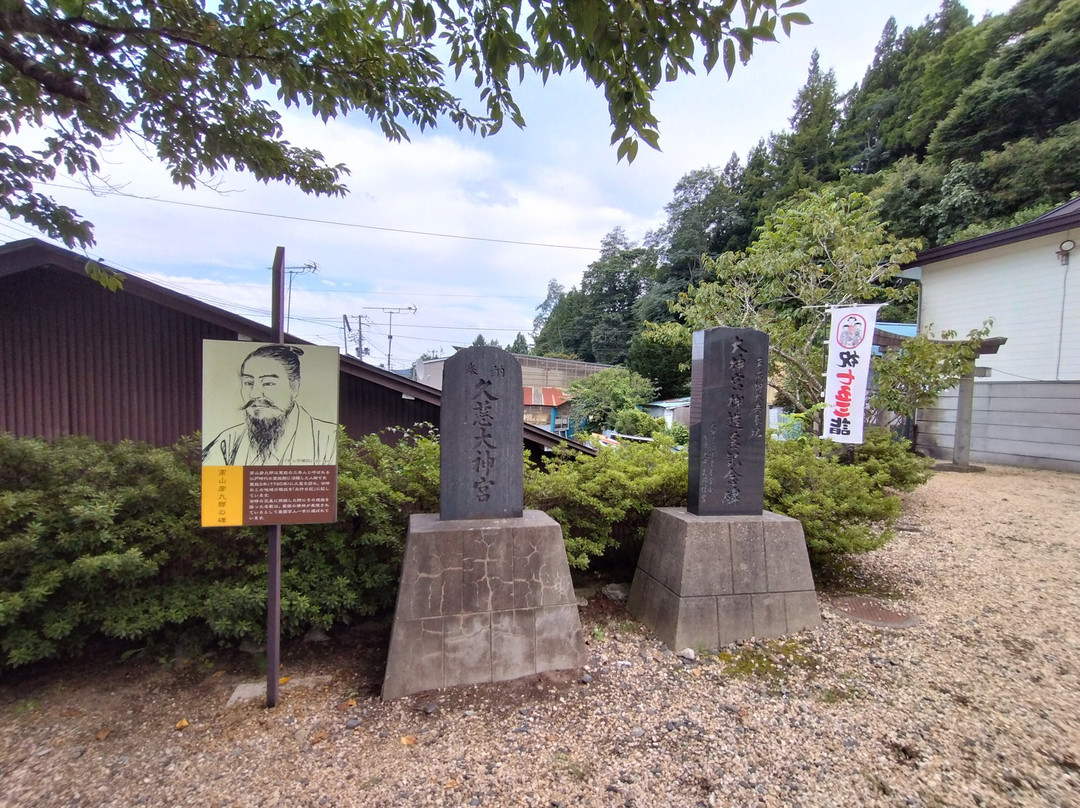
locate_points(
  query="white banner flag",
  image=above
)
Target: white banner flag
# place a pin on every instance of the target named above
(851, 336)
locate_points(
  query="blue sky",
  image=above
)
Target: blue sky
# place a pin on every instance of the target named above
(557, 183)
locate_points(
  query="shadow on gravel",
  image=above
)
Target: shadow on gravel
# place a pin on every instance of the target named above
(848, 575)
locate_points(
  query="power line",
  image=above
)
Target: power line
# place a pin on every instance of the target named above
(366, 294)
(330, 222)
(391, 310)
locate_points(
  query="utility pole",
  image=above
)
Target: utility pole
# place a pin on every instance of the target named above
(304, 269)
(346, 329)
(391, 310)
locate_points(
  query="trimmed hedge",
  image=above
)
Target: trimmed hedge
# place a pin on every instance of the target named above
(103, 540)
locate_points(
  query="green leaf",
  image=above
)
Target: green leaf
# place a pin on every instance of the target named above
(729, 57)
(109, 278)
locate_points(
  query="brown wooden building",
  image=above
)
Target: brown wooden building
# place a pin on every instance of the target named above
(77, 359)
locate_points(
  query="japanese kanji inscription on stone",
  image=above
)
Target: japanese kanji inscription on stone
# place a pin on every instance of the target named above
(728, 419)
(481, 465)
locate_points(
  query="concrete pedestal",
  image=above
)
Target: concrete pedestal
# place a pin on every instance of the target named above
(706, 581)
(482, 600)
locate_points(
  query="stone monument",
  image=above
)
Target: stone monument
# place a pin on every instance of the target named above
(485, 591)
(724, 569)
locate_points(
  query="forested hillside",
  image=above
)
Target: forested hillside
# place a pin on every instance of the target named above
(958, 128)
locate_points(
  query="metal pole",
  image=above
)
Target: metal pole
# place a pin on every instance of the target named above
(389, 339)
(273, 578)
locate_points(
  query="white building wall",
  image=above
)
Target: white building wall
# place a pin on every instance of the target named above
(1032, 297)
(1027, 413)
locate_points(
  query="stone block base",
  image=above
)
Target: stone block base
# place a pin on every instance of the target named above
(482, 600)
(706, 581)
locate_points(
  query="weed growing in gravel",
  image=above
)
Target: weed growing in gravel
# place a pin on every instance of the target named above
(572, 766)
(597, 633)
(24, 707)
(626, 626)
(834, 695)
(771, 660)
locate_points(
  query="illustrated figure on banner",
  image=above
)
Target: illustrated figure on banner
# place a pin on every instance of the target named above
(276, 430)
(851, 331)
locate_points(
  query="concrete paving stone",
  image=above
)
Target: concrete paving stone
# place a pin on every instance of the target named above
(248, 691)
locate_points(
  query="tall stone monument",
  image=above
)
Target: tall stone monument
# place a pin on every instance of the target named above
(485, 591)
(724, 569)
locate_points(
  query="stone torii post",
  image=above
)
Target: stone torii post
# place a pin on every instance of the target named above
(965, 399)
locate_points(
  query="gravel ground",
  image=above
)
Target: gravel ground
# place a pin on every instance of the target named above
(978, 703)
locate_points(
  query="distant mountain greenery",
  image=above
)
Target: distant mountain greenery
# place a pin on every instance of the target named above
(958, 128)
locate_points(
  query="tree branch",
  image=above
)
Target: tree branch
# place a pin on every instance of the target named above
(53, 82)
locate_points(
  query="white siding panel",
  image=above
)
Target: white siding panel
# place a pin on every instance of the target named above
(1013, 423)
(1032, 298)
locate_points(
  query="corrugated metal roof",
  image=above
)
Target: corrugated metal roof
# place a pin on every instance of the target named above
(544, 397)
(671, 403)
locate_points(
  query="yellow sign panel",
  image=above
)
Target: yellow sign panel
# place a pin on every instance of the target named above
(222, 496)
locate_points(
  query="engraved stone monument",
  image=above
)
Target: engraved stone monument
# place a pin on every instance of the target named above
(480, 463)
(485, 591)
(723, 569)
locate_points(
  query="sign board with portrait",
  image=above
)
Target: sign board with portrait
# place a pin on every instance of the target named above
(851, 337)
(270, 429)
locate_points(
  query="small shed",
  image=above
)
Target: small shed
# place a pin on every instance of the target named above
(672, 410)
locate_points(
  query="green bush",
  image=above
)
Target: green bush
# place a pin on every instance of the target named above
(104, 540)
(680, 434)
(844, 508)
(632, 421)
(98, 539)
(890, 462)
(596, 499)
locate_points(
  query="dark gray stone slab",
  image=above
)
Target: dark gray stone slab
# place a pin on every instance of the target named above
(802, 610)
(696, 626)
(713, 580)
(770, 614)
(787, 565)
(559, 643)
(487, 570)
(654, 605)
(481, 462)
(728, 420)
(422, 667)
(539, 555)
(735, 618)
(434, 589)
(709, 572)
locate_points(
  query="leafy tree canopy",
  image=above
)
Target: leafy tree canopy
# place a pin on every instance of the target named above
(825, 249)
(598, 398)
(520, 345)
(192, 80)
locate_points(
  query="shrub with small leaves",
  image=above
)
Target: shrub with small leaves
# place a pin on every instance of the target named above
(102, 539)
(842, 507)
(596, 499)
